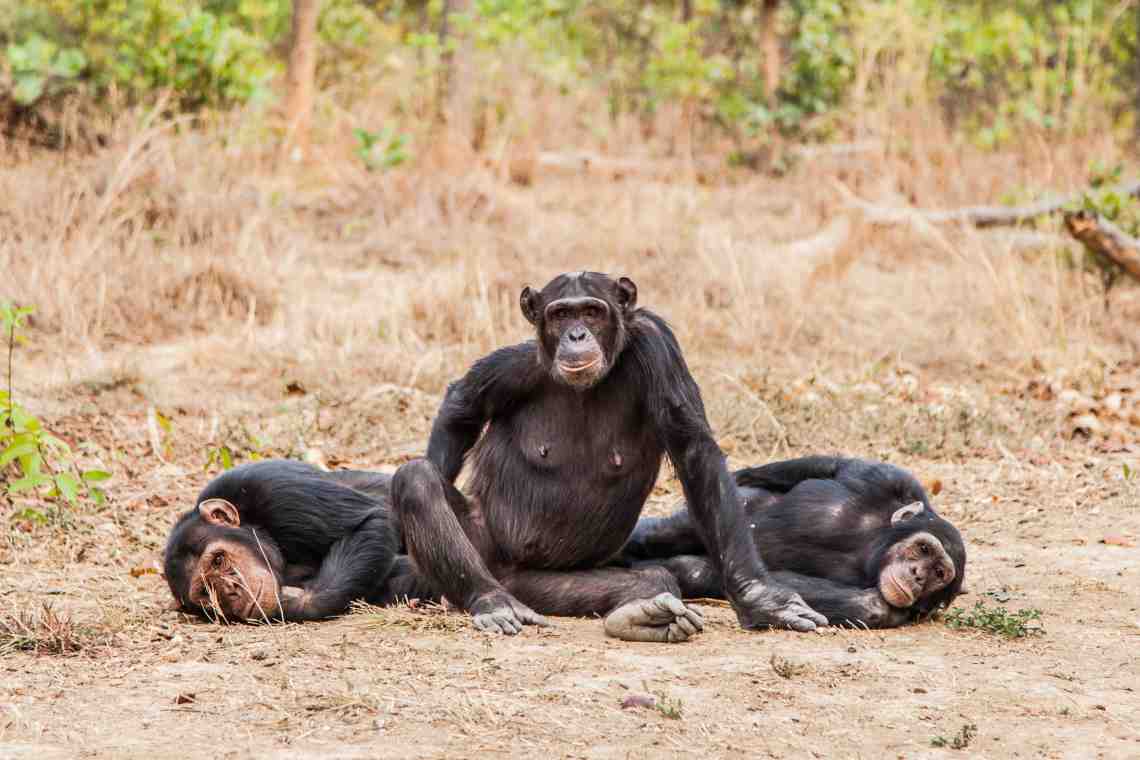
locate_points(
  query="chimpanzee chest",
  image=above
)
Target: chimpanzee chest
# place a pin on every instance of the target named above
(593, 438)
(563, 478)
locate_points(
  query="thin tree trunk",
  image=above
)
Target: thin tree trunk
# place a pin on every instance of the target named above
(770, 47)
(455, 84)
(686, 10)
(299, 78)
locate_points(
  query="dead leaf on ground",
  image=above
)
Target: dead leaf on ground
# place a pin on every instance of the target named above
(1124, 541)
(184, 699)
(639, 700)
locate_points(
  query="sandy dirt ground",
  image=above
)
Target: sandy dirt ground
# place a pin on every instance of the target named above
(402, 683)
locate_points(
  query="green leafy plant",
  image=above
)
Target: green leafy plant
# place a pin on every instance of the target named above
(960, 740)
(40, 67)
(383, 149)
(997, 620)
(42, 464)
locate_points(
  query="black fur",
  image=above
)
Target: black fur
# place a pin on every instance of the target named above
(331, 533)
(560, 472)
(822, 524)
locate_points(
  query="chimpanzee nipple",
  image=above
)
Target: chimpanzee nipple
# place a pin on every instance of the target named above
(615, 457)
(543, 450)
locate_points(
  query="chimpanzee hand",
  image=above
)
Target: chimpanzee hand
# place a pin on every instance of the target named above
(499, 612)
(768, 605)
(293, 602)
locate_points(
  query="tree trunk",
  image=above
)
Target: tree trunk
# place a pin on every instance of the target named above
(770, 47)
(455, 85)
(299, 79)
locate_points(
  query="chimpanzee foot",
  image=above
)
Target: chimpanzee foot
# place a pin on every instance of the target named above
(773, 606)
(664, 618)
(499, 612)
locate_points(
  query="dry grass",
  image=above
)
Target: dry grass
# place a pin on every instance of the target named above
(40, 631)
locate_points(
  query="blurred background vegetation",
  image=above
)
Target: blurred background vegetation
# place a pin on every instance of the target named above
(745, 71)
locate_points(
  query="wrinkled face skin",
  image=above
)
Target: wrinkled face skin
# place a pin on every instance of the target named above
(580, 318)
(226, 571)
(914, 568)
(232, 583)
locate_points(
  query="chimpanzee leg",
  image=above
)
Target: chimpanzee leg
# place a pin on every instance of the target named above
(663, 537)
(845, 605)
(695, 575)
(403, 583)
(445, 550)
(639, 605)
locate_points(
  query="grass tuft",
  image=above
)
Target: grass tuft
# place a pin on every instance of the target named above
(997, 620)
(42, 631)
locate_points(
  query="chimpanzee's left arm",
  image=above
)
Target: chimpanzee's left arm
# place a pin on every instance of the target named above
(353, 568)
(675, 407)
(845, 605)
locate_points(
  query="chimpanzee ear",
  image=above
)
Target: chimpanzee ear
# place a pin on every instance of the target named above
(529, 301)
(219, 512)
(913, 509)
(626, 294)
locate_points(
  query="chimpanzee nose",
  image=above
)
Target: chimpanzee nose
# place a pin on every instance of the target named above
(578, 334)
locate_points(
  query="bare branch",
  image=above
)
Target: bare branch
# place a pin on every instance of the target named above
(1105, 238)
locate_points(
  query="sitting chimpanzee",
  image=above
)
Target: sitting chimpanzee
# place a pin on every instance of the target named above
(566, 435)
(281, 540)
(857, 540)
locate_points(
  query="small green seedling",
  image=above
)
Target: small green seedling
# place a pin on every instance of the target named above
(961, 740)
(998, 620)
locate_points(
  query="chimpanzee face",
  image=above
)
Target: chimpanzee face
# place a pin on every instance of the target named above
(915, 568)
(580, 318)
(223, 570)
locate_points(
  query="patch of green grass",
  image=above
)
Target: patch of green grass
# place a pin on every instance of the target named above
(673, 709)
(997, 620)
(960, 740)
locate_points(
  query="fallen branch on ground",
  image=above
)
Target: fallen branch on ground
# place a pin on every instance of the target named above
(1105, 238)
(978, 216)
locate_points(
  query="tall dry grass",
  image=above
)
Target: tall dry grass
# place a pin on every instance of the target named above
(174, 230)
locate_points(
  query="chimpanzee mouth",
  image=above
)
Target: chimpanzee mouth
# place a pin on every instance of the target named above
(576, 368)
(904, 593)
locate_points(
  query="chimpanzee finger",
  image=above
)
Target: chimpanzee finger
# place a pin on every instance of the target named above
(529, 617)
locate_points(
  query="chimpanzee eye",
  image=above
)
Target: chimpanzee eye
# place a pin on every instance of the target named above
(940, 573)
(561, 313)
(924, 549)
(593, 312)
(218, 560)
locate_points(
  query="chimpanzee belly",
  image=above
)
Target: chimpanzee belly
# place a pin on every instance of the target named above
(562, 481)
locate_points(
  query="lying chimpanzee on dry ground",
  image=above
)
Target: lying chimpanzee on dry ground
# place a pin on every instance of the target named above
(857, 540)
(565, 435)
(283, 540)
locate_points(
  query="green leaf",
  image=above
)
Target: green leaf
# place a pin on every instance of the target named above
(28, 89)
(28, 483)
(68, 486)
(69, 63)
(98, 496)
(15, 451)
(96, 476)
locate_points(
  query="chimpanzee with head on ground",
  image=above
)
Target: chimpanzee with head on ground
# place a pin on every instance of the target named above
(281, 540)
(566, 435)
(857, 540)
